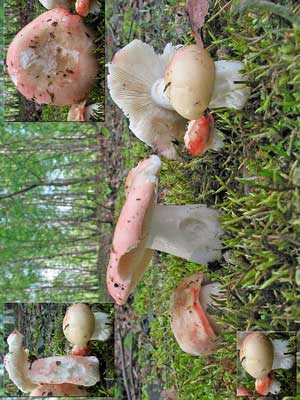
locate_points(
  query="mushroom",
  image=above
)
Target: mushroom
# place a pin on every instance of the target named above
(260, 356)
(201, 135)
(194, 329)
(80, 325)
(51, 60)
(160, 92)
(81, 113)
(64, 389)
(50, 4)
(243, 392)
(51, 370)
(84, 7)
(191, 231)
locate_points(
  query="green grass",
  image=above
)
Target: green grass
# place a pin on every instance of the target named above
(253, 181)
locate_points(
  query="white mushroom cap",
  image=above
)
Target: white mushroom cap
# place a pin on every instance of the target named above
(189, 81)
(133, 73)
(257, 354)
(16, 363)
(79, 324)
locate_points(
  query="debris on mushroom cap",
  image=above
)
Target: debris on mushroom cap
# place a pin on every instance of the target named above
(226, 92)
(256, 354)
(129, 257)
(79, 324)
(51, 60)
(189, 321)
(63, 389)
(77, 370)
(243, 392)
(132, 74)
(16, 363)
(50, 4)
(103, 326)
(189, 81)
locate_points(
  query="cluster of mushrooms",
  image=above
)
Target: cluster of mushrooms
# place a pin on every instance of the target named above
(166, 98)
(52, 61)
(260, 356)
(61, 375)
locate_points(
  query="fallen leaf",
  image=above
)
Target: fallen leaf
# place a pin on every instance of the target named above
(197, 11)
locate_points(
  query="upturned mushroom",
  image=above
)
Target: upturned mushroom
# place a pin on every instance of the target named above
(260, 356)
(81, 325)
(191, 232)
(76, 370)
(160, 93)
(51, 60)
(194, 328)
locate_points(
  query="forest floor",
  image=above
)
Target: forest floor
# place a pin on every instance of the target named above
(253, 181)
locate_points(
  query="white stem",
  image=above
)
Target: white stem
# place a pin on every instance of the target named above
(191, 232)
(159, 96)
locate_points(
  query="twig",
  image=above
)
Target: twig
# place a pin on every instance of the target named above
(125, 380)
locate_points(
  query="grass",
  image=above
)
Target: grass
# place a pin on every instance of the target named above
(253, 181)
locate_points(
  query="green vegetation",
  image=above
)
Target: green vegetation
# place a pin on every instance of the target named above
(41, 324)
(253, 181)
(53, 196)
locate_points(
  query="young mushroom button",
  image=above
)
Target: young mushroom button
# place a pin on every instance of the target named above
(51, 60)
(81, 324)
(191, 231)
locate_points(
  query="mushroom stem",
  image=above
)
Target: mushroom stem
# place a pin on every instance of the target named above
(191, 232)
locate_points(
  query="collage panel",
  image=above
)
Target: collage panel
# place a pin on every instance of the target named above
(178, 216)
(250, 183)
(55, 204)
(267, 363)
(59, 350)
(54, 69)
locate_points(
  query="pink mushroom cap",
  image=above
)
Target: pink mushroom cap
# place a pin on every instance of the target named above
(58, 390)
(243, 392)
(51, 59)
(83, 7)
(129, 257)
(189, 322)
